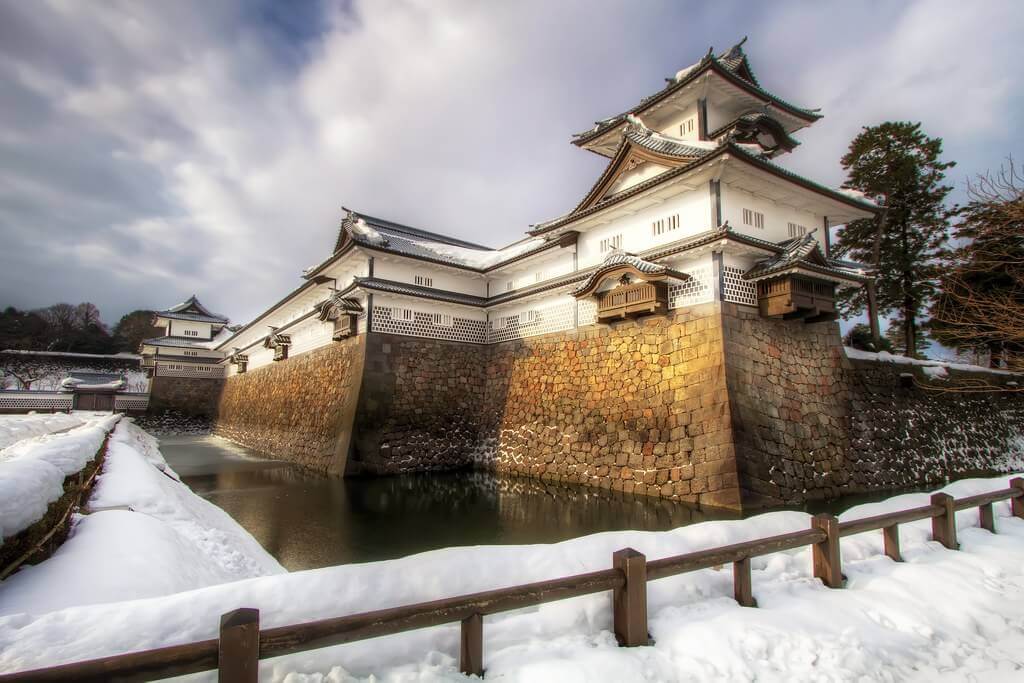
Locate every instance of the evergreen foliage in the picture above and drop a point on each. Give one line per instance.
(896, 165)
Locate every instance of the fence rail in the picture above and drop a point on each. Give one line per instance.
(241, 642)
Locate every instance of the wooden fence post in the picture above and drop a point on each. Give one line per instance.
(944, 526)
(239, 650)
(471, 658)
(827, 564)
(1017, 504)
(891, 538)
(987, 517)
(742, 588)
(629, 603)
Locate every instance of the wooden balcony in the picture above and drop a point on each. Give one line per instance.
(625, 301)
(793, 296)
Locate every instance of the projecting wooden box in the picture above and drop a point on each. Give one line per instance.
(640, 298)
(795, 296)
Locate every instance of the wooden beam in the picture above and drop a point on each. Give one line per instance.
(238, 659)
(471, 657)
(825, 555)
(1017, 504)
(629, 602)
(741, 583)
(944, 525)
(891, 540)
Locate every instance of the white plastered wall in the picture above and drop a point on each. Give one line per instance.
(777, 216)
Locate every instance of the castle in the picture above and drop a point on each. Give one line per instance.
(672, 335)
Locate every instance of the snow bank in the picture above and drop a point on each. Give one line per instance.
(939, 613)
(147, 535)
(14, 428)
(32, 471)
(933, 368)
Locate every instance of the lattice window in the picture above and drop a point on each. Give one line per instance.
(131, 402)
(424, 281)
(796, 230)
(586, 311)
(697, 290)
(34, 400)
(736, 289)
(412, 323)
(687, 126)
(609, 243)
(188, 370)
(191, 353)
(667, 224)
(753, 219)
(532, 322)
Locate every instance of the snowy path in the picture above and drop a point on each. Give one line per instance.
(941, 615)
(147, 535)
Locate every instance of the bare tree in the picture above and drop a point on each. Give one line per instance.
(981, 301)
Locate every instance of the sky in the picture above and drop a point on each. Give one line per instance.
(152, 150)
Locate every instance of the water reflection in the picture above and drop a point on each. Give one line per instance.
(306, 521)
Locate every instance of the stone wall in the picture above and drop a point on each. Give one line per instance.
(912, 427)
(188, 395)
(811, 424)
(788, 388)
(711, 405)
(421, 405)
(639, 406)
(300, 409)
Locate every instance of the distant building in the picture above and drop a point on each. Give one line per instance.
(186, 347)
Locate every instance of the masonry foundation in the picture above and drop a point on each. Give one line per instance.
(710, 404)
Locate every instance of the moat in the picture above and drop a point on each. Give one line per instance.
(307, 521)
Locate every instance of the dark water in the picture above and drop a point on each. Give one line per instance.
(306, 521)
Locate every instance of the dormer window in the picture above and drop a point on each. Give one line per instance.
(753, 219)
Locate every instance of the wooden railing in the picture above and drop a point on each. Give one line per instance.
(634, 299)
(241, 642)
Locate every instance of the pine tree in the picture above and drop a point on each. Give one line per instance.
(898, 167)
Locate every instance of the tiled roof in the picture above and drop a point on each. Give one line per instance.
(381, 235)
(728, 64)
(664, 144)
(180, 342)
(620, 258)
(191, 309)
(805, 253)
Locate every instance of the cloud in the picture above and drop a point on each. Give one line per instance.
(158, 149)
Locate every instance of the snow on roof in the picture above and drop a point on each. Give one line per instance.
(478, 258)
(855, 194)
(68, 354)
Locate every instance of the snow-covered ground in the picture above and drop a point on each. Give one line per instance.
(14, 428)
(146, 534)
(941, 615)
(33, 469)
